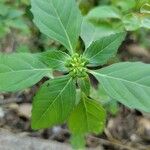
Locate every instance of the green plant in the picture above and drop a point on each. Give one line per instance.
(67, 98)
(11, 17)
(120, 15)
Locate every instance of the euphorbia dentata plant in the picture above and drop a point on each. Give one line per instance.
(66, 99)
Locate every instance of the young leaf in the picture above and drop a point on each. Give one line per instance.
(131, 22)
(55, 59)
(53, 102)
(104, 12)
(101, 50)
(84, 84)
(145, 22)
(19, 71)
(88, 116)
(58, 19)
(129, 83)
(91, 32)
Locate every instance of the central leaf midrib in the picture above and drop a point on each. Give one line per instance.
(103, 48)
(86, 114)
(71, 48)
(106, 76)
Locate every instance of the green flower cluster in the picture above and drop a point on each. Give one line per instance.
(77, 66)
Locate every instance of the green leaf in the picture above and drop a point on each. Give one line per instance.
(103, 49)
(58, 19)
(125, 5)
(145, 9)
(14, 13)
(17, 24)
(131, 22)
(145, 21)
(129, 83)
(84, 84)
(4, 9)
(55, 59)
(9, 12)
(53, 102)
(22, 48)
(19, 71)
(88, 116)
(91, 32)
(3, 30)
(104, 12)
(141, 3)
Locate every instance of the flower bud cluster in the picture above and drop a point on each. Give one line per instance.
(77, 66)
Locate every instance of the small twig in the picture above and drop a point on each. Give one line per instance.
(114, 143)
